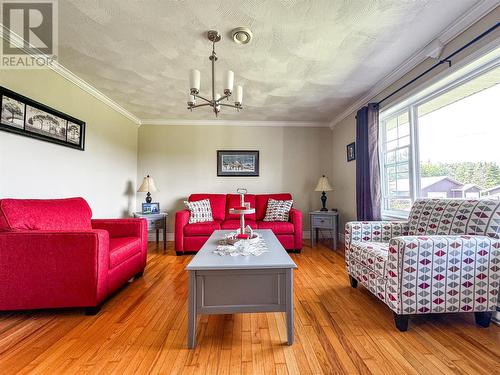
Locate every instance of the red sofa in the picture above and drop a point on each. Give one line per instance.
(53, 255)
(191, 237)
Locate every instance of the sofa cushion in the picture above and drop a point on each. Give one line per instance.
(278, 227)
(71, 214)
(372, 255)
(278, 210)
(199, 211)
(122, 248)
(217, 203)
(261, 203)
(201, 229)
(233, 200)
(235, 224)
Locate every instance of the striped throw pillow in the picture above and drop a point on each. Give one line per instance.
(199, 211)
(278, 210)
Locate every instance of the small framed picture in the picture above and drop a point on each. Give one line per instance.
(151, 208)
(351, 151)
(155, 208)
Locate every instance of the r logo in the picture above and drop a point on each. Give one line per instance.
(33, 22)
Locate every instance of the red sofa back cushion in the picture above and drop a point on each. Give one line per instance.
(217, 203)
(45, 214)
(233, 200)
(261, 203)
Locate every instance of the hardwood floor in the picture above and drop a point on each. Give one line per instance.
(143, 329)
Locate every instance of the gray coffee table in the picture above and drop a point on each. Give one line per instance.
(228, 285)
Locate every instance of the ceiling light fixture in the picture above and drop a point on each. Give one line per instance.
(241, 35)
(216, 101)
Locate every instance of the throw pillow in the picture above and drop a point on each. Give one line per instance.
(199, 211)
(278, 210)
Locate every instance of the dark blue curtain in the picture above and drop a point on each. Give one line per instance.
(368, 189)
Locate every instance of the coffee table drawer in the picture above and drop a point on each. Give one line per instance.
(322, 222)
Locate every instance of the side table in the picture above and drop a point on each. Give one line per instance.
(324, 220)
(156, 222)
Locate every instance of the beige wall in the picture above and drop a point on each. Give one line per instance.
(104, 174)
(182, 160)
(345, 131)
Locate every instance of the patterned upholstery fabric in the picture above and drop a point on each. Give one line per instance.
(278, 210)
(445, 259)
(199, 211)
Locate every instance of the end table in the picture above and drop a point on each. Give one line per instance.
(324, 220)
(156, 222)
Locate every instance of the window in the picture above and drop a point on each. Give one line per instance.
(444, 141)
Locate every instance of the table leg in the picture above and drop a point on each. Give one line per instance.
(157, 237)
(165, 240)
(335, 233)
(289, 305)
(312, 236)
(192, 310)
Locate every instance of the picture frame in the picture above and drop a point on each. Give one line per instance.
(237, 163)
(24, 116)
(151, 208)
(351, 151)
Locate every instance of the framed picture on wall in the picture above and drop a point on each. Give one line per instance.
(237, 163)
(351, 151)
(24, 116)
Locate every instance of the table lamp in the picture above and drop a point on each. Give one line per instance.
(323, 186)
(148, 186)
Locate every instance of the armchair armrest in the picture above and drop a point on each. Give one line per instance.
(126, 228)
(443, 273)
(296, 220)
(181, 220)
(53, 269)
(373, 231)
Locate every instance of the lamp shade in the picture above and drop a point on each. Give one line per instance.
(323, 184)
(194, 79)
(229, 80)
(148, 185)
(239, 94)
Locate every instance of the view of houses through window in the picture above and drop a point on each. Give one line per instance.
(446, 145)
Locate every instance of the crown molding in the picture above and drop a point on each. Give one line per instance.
(474, 14)
(56, 67)
(306, 124)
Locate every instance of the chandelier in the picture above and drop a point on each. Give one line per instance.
(217, 100)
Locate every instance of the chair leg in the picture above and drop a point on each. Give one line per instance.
(483, 318)
(353, 281)
(93, 310)
(401, 322)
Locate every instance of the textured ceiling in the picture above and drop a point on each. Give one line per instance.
(308, 59)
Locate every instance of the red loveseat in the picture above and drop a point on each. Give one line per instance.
(53, 255)
(191, 237)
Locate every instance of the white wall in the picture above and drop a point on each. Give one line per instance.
(104, 174)
(182, 160)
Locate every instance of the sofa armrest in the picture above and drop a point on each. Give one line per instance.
(41, 269)
(373, 231)
(181, 220)
(461, 271)
(136, 227)
(296, 220)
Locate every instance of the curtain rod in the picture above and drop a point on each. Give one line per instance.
(442, 61)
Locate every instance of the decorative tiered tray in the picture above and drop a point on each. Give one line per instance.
(242, 210)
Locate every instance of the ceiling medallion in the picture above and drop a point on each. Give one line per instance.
(216, 102)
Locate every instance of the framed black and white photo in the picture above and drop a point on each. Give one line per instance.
(237, 163)
(27, 117)
(351, 151)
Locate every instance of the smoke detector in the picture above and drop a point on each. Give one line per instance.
(241, 35)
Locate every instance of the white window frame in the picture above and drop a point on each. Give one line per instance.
(411, 105)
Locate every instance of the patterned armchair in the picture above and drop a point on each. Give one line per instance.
(445, 258)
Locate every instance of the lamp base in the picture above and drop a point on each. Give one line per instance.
(323, 201)
(148, 197)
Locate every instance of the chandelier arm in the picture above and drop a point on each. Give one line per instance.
(231, 105)
(213, 70)
(200, 105)
(205, 99)
(222, 98)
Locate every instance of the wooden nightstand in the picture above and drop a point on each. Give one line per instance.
(324, 220)
(156, 222)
